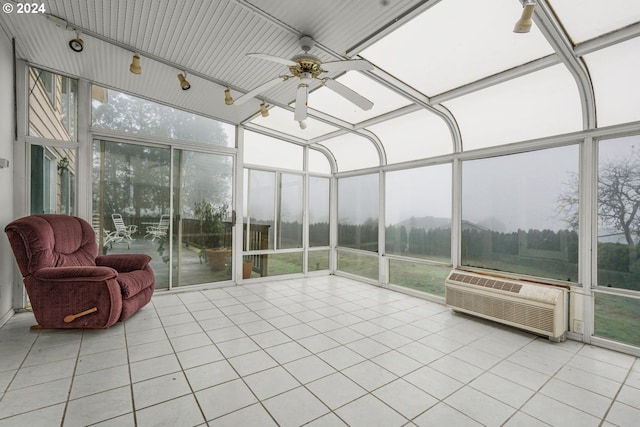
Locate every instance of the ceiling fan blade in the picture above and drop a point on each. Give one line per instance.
(349, 94)
(347, 65)
(253, 92)
(277, 59)
(301, 102)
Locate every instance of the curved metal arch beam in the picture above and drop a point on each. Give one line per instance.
(333, 163)
(372, 137)
(419, 98)
(378, 75)
(553, 31)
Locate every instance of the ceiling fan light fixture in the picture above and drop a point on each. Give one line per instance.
(523, 25)
(264, 112)
(135, 67)
(307, 68)
(228, 99)
(77, 44)
(184, 84)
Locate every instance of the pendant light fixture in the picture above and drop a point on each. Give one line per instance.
(228, 99)
(523, 25)
(135, 67)
(184, 84)
(77, 44)
(264, 112)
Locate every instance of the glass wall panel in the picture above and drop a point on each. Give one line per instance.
(318, 211)
(202, 231)
(414, 136)
(53, 105)
(284, 263)
(614, 72)
(53, 180)
(121, 112)
(343, 148)
(318, 162)
(272, 195)
(619, 213)
(268, 151)
(290, 208)
(479, 44)
(518, 213)
(133, 181)
(418, 276)
(358, 212)
(586, 19)
(261, 209)
(418, 213)
(540, 104)
(360, 264)
(318, 260)
(616, 318)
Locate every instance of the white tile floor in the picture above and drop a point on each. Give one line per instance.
(323, 351)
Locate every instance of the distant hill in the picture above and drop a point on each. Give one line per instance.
(426, 222)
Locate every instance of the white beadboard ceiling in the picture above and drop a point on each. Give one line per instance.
(208, 39)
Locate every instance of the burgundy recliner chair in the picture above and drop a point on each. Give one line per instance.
(68, 284)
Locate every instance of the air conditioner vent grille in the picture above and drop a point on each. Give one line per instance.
(512, 311)
(486, 282)
(534, 307)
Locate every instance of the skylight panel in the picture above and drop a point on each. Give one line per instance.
(384, 99)
(586, 19)
(457, 42)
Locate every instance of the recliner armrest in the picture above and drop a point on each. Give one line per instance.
(124, 262)
(75, 274)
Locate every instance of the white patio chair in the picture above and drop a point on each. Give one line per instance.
(123, 233)
(159, 231)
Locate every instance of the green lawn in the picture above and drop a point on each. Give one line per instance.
(617, 318)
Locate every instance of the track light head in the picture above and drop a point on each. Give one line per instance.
(228, 99)
(523, 25)
(303, 125)
(264, 112)
(76, 45)
(184, 84)
(135, 67)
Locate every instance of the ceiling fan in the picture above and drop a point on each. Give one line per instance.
(306, 68)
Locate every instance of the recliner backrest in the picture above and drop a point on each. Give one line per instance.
(51, 240)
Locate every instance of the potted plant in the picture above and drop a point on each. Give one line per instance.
(212, 230)
(247, 267)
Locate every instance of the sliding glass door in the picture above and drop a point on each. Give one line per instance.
(183, 221)
(202, 234)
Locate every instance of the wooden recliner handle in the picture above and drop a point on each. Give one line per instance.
(71, 317)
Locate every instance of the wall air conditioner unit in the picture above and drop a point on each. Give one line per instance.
(541, 309)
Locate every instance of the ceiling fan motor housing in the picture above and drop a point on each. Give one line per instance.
(306, 64)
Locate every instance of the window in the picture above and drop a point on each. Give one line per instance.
(290, 206)
(52, 180)
(52, 105)
(264, 150)
(318, 211)
(418, 225)
(358, 212)
(418, 213)
(618, 213)
(517, 213)
(126, 113)
(273, 221)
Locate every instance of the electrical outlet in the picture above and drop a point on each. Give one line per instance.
(577, 326)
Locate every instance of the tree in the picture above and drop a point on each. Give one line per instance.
(618, 197)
